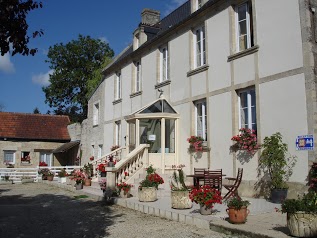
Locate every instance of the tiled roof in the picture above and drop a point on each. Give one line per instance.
(34, 126)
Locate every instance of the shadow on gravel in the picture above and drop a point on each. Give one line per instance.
(283, 229)
(48, 215)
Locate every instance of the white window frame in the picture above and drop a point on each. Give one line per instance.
(118, 86)
(200, 39)
(203, 105)
(138, 76)
(248, 22)
(117, 132)
(249, 107)
(47, 158)
(92, 150)
(99, 151)
(199, 4)
(164, 64)
(96, 113)
(5, 152)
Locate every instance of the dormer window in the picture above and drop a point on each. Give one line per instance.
(199, 3)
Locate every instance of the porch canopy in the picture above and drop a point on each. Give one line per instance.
(65, 147)
(155, 124)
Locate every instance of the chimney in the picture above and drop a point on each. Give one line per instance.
(150, 17)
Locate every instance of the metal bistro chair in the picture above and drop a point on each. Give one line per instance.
(234, 184)
(198, 172)
(213, 178)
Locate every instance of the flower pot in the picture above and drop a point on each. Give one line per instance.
(237, 216)
(78, 186)
(87, 182)
(181, 200)
(124, 194)
(302, 224)
(50, 177)
(62, 179)
(44, 177)
(205, 210)
(147, 194)
(103, 174)
(278, 195)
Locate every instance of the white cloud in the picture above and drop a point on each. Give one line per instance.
(173, 5)
(6, 65)
(104, 39)
(42, 79)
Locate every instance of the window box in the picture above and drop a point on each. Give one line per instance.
(241, 54)
(198, 70)
(132, 95)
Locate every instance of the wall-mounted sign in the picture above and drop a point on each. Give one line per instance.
(151, 137)
(305, 142)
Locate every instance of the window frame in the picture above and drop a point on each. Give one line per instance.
(50, 162)
(13, 156)
(249, 108)
(248, 26)
(96, 113)
(164, 70)
(202, 44)
(100, 147)
(199, 4)
(203, 103)
(137, 85)
(118, 83)
(117, 132)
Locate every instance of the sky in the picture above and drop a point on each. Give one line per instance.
(22, 77)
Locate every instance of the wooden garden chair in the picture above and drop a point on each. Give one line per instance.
(198, 172)
(233, 185)
(213, 178)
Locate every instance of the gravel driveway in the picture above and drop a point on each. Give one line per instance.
(39, 210)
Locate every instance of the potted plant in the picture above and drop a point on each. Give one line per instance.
(62, 176)
(301, 215)
(277, 164)
(196, 142)
(103, 184)
(179, 191)
(237, 210)
(46, 174)
(78, 177)
(88, 171)
(124, 189)
(148, 187)
(102, 170)
(43, 164)
(110, 162)
(206, 197)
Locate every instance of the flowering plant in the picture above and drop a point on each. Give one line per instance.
(152, 179)
(245, 140)
(196, 142)
(26, 158)
(42, 163)
(236, 203)
(91, 158)
(103, 184)
(101, 168)
(206, 196)
(114, 147)
(45, 172)
(78, 176)
(124, 186)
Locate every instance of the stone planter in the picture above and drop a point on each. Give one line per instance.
(79, 186)
(204, 210)
(302, 224)
(181, 200)
(237, 216)
(147, 194)
(124, 194)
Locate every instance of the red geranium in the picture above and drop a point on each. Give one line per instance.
(124, 186)
(42, 163)
(196, 142)
(101, 168)
(246, 140)
(205, 195)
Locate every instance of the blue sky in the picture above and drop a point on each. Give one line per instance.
(22, 77)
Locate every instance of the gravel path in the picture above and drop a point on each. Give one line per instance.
(39, 210)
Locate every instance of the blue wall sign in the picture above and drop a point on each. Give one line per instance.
(305, 142)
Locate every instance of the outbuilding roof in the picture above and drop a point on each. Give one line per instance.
(37, 127)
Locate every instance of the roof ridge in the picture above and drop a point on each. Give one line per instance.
(32, 114)
(172, 12)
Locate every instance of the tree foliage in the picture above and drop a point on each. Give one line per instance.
(14, 28)
(36, 111)
(74, 68)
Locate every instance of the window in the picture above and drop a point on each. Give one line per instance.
(198, 4)
(138, 76)
(200, 47)
(247, 109)
(46, 157)
(164, 65)
(92, 150)
(25, 157)
(118, 131)
(244, 31)
(117, 94)
(99, 151)
(201, 118)
(9, 157)
(96, 114)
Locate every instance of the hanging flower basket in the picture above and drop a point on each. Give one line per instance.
(246, 140)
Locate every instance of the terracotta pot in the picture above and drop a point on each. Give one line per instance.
(301, 224)
(237, 216)
(87, 182)
(124, 194)
(205, 210)
(147, 194)
(44, 177)
(181, 200)
(50, 177)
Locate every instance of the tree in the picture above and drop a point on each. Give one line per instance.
(13, 27)
(74, 67)
(36, 111)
